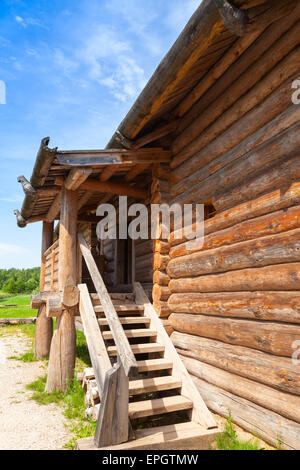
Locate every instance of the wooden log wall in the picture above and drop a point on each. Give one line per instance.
(235, 300)
(160, 194)
(51, 268)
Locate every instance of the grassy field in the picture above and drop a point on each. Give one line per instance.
(22, 310)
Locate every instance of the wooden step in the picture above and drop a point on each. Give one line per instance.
(121, 308)
(136, 387)
(151, 365)
(137, 333)
(139, 349)
(183, 436)
(128, 321)
(158, 406)
(116, 296)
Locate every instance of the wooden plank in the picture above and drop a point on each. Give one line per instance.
(128, 321)
(97, 350)
(138, 349)
(182, 436)
(151, 365)
(94, 158)
(158, 406)
(124, 350)
(54, 210)
(120, 189)
(137, 387)
(200, 413)
(112, 425)
(136, 333)
(76, 177)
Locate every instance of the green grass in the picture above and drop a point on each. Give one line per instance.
(22, 310)
(228, 440)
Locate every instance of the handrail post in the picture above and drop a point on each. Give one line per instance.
(113, 427)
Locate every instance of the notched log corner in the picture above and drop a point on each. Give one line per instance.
(235, 20)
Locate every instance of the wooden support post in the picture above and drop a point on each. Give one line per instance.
(112, 426)
(62, 355)
(44, 325)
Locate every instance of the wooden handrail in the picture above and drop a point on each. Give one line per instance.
(125, 353)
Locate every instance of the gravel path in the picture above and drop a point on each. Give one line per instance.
(24, 424)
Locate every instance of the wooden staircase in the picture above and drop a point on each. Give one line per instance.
(158, 394)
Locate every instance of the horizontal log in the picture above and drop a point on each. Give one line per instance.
(160, 262)
(282, 277)
(114, 188)
(269, 337)
(273, 176)
(76, 177)
(161, 278)
(273, 249)
(16, 321)
(270, 426)
(274, 223)
(169, 329)
(266, 154)
(160, 293)
(274, 371)
(215, 157)
(54, 307)
(280, 198)
(272, 306)
(248, 91)
(284, 404)
(162, 309)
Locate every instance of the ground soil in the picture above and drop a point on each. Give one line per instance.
(24, 424)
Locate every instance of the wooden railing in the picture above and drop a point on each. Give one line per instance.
(113, 425)
(49, 270)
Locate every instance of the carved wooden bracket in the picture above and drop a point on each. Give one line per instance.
(20, 220)
(26, 185)
(235, 20)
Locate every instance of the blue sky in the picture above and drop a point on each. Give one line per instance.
(72, 70)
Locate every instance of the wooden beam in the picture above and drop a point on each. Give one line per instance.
(54, 209)
(112, 426)
(76, 177)
(84, 199)
(63, 346)
(97, 349)
(114, 188)
(158, 133)
(241, 22)
(88, 158)
(200, 413)
(108, 173)
(136, 170)
(124, 350)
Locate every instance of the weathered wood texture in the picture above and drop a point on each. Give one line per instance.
(44, 325)
(284, 277)
(269, 250)
(265, 336)
(271, 306)
(63, 346)
(274, 371)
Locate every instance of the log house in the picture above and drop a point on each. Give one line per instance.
(216, 125)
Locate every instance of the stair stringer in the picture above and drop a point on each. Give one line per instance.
(200, 414)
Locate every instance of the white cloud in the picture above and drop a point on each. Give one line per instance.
(180, 14)
(14, 198)
(8, 249)
(110, 62)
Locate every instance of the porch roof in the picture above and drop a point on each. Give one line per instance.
(151, 122)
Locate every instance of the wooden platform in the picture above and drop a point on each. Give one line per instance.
(183, 436)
